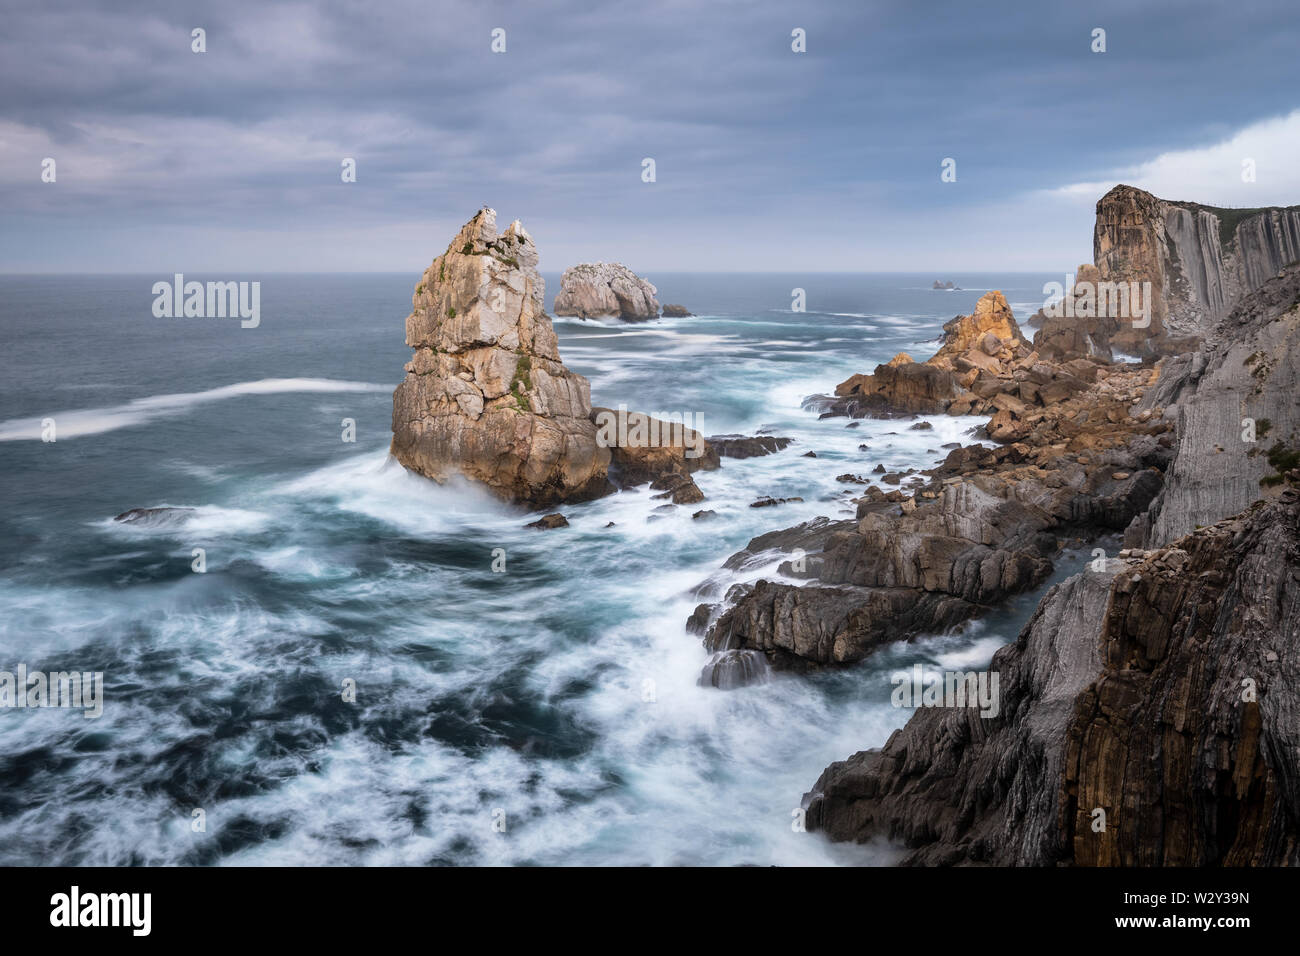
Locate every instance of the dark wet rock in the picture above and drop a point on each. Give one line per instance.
(930, 787)
(809, 537)
(549, 521)
(703, 515)
(767, 502)
(675, 312)
(744, 446)
(154, 517)
(799, 625)
(732, 669)
(698, 622)
(681, 488)
(1114, 667)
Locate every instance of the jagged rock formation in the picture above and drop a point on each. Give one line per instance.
(1162, 695)
(606, 290)
(676, 312)
(984, 525)
(986, 345)
(931, 786)
(485, 394)
(1200, 261)
(1152, 721)
(1189, 738)
(988, 332)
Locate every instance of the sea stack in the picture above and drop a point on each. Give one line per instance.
(606, 290)
(486, 395)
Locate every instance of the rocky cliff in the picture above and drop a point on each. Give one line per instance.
(1149, 714)
(1200, 261)
(1148, 717)
(485, 394)
(1234, 405)
(985, 345)
(606, 290)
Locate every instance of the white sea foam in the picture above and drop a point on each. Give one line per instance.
(77, 423)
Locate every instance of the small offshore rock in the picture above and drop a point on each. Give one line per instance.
(549, 521)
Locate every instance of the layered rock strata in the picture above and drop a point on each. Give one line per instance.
(1200, 261)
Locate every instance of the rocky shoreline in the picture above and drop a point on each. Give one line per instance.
(1149, 712)
(1154, 692)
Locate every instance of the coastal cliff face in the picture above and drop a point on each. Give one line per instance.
(1148, 713)
(606, 290)
(1177, 718)
(485, 394)
(956, 787)
(1237, 420)
(1200, 260)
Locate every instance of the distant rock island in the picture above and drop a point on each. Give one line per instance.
(599, 290)
(676, 312)
(946, 286)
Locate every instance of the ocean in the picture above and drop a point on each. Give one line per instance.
(546, 713)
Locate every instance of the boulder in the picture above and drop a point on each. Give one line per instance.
(899, 389)
(547, 522)
(969, 333)
(744, 446)
(645, 449)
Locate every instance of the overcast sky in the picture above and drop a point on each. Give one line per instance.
(766, 159)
